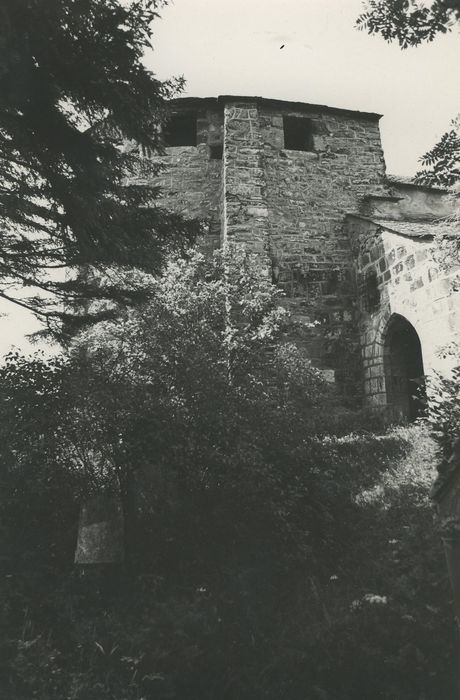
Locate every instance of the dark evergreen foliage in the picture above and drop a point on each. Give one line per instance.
(66, 68)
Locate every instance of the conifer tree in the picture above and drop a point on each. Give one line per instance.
(73, 91)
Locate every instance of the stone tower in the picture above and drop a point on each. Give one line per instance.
(304, 186)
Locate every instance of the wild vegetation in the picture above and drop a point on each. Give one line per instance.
(276, 546)
(73, 91)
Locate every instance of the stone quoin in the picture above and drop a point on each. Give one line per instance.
(304, 186)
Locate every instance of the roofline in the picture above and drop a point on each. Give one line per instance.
(221, 100)
(376, 222)
(400, 182)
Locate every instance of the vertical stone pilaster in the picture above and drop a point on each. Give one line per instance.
(244, 205)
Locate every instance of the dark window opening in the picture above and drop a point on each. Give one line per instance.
(332, 282)
(371, 291)
(404, 373)
(216, 151)
(275, 271)
(298, 134)
(180, 130)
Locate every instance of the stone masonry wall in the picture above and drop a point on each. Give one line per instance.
(245, 211)
(191, 181)
(411, 285)
(289, 206)
(308, 195)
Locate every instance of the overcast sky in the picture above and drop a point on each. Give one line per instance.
(233, 47)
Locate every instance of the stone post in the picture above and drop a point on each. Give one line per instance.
(245, 210)
(100, 531)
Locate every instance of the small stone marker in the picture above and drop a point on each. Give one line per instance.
(100, 531)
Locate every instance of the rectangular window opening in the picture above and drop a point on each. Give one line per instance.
(298, 134)
(180, 130)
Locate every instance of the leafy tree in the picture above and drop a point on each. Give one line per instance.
(73, 90)
(38, 488)
(441, 164)
(189, 406)
(272, 558)
(194, 385)
(410, 22)
(251, 581)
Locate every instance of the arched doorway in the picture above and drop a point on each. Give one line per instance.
(403, 363)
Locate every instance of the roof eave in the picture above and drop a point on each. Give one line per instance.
(399, 182)
(221, 100)
(379, 224)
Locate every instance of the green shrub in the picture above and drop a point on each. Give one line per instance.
(270, 555)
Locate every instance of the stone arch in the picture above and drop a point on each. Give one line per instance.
(403, 369)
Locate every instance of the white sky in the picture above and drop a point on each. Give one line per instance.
(225, 47)
(233, 47)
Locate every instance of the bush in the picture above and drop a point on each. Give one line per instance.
(267, 559)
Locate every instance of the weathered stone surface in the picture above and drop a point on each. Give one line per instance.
(291, 208)
(424, 296)
(100, 531)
